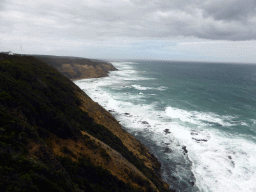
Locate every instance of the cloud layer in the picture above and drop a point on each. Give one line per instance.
(210, 19)
(177, 29)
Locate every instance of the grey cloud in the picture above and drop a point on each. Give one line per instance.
(230, 10)
(211, 19)
(2, 4)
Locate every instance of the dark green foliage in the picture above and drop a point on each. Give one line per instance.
(91, 144)
(93, 178)
(68, 152)
(14, 132)
(104, 154)
(22, 174)
(43, 95)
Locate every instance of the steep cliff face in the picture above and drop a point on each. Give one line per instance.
(54, 137)
(78, 68)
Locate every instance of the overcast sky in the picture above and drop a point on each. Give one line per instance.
(197, 30)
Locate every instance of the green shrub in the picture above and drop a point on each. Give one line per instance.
(104, 154)
(91, 144)
(66, 151)
(93, 178)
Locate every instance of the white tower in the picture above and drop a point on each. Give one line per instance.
(20, 50)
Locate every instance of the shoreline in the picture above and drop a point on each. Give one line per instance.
(157, 165)
(158, 170)
(164, 170)
(196, 126)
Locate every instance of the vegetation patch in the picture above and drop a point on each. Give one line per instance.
(104, 154)
(19, 173)
(93, 178)
(67, 151)
(90, 143)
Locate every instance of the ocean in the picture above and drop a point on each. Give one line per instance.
(198, 119)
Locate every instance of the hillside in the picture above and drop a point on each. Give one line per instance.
(78, 68)
(54, 137)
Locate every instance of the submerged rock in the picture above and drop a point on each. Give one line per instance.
(199, 140)
(167, 131)
(167, 150)
(185, 150)
(128, 114)
(232, 162)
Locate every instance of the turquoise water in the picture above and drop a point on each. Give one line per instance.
(199, 119)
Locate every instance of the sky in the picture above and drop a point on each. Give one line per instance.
(197, 30)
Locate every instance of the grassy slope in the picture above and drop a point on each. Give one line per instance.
(36, 102)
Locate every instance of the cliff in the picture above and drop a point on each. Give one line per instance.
(54, 137)
(78, 68)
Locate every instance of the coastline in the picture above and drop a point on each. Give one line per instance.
(130, 141)
(64, 130)
(78, 69)
(105, 118)
(140, 131)
(174, 150)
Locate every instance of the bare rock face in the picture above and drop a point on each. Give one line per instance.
(78, 68)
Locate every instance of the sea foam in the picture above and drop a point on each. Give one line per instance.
(184, 140)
